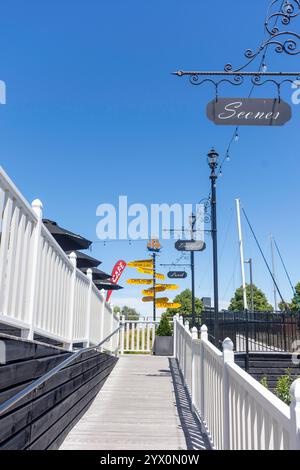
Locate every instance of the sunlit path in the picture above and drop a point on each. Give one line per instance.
(138, 409)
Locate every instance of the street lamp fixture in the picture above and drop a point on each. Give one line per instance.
(212, 159)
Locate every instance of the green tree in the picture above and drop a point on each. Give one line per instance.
(164, 327)
(185, 299)
(294, 305)
(259, 300)
(128, 312)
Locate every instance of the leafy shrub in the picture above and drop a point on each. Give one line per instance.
(283, 386)
(164, 328)
(264, 382)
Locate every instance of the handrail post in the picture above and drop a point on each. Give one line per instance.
(88, 307)
(37, 207)
(228, 357)
(122, 334)
(203, 337)
(193, 371)
(295, 415)
(73, 259)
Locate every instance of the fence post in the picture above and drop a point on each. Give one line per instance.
(193, 371)
(69, 343)
(295, 415)
(203, 337)
(111, 325)
(89, 307)
(175, 320)
(122, 335)
(187, 326)
(37, 207)
(228, 357)
(102, 313)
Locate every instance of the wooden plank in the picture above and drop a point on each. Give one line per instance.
(147, 417)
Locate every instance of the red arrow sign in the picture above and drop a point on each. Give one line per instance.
(115, 275)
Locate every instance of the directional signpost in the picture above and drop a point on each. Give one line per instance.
(148, 266)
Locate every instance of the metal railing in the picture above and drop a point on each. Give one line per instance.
(36, 384)
(255, 331)
(239, 413)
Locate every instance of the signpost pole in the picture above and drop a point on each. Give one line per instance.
(154, 286)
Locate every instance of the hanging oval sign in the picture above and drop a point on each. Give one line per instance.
(177, 274)
(249, 112)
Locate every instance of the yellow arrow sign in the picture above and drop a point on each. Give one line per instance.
(168, 305)
(151, 291)
(147, 282)
(168, 286)
(151, 299)
(151, 272)
(144, 263)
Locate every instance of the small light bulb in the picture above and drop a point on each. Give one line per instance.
(264, 68)
(236, 137)
(220, 173)
(227, 157)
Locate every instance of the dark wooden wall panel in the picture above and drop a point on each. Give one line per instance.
(43, 419)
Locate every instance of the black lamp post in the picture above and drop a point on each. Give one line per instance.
(213, 165)
(192, 223)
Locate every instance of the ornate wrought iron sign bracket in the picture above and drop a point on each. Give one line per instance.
(279, 17)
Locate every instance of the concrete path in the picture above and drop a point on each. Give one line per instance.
(143, 405)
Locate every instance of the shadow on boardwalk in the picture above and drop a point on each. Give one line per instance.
(195, 435)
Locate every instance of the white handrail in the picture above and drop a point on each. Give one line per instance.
(238, 412)
(41, 290)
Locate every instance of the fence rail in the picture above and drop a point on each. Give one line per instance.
(238, 412)
(137, 336)
(41, 290)
(255, 331)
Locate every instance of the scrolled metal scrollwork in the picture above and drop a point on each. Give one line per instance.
(206, 215)
(287, 42)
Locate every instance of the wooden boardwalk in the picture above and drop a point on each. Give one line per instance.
(143, 405)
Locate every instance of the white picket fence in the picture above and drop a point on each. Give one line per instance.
(41, 290)
(137, 336)
(238, 412)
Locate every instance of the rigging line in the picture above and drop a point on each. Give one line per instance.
(284, 267)
(264, 258)
(231, 279)
(226, 235)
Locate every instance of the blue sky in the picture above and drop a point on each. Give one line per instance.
(93, 113)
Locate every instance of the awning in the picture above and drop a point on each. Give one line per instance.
(85, 261)
(97, 274)
(107, 285)
(68, 241)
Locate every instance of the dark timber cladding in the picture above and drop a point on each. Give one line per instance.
(42, 421)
